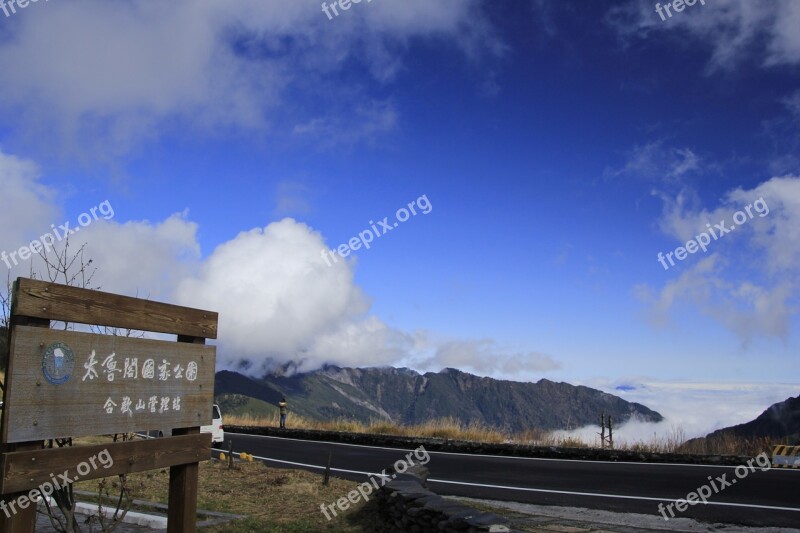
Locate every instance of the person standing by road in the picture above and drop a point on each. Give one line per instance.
(282, 405)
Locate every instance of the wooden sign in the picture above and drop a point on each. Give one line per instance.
(51, 301)
(25, 470)
(69, 384)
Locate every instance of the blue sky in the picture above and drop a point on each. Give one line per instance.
(560, 147)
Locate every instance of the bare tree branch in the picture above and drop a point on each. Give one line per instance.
(74, 269)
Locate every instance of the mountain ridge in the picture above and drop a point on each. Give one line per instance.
(404, 396)
(779, 420)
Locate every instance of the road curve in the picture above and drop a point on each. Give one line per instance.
(759, 498)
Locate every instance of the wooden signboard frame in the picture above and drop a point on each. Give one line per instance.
(45, 364)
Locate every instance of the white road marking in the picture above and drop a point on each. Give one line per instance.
(619, 496)
(505, 456)
(316, 466)
(549, 491)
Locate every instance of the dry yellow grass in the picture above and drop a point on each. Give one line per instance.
(540, 437)
(270, 499)
(451, 428)
(446, 428)
(732, 445)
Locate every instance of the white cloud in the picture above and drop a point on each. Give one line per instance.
(108, 75)
(746, 309)
(279, 302)
(485, 357)
(693, 408)
(656, 162)
(139, 257)
(132, 258)
(359, 343)
(792, 103)
(363, 124)
(292, 198)
(734, 30)
(749, 279)
(27, 204)
(778, 235)
(783, 133)
(774, 228)
(784, 47)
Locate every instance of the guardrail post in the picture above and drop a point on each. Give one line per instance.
(327, 477)
(603, 431)
(610, 434)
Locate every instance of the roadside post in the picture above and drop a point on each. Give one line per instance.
(786, 456)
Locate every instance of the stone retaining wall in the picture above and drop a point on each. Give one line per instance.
(513, 450)
(405, 504)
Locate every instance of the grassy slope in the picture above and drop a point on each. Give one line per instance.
(273, 500)
(238, 405)
(312, 397)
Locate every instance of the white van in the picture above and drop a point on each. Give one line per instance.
(217, 433)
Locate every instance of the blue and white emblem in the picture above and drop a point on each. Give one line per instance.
(58, 363)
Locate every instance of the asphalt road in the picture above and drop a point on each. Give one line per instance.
(759, 498)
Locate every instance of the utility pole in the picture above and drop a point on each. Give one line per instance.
(603, 426)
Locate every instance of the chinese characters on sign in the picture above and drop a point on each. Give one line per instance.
(150, 370)
(155, 404)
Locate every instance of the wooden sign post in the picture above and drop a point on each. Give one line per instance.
(68, 384)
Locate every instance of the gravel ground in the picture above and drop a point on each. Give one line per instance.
(528, 517)
(43, 525)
